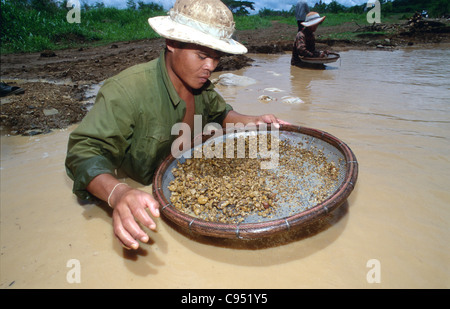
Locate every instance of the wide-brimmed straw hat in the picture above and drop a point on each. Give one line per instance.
(312, 19)
(204, 22)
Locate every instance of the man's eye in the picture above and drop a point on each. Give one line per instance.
(202, 57)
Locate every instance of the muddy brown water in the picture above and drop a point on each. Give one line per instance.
(391, 108)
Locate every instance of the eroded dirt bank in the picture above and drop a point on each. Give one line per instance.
(56, 82)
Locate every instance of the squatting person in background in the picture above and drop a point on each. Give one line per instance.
(305, 41)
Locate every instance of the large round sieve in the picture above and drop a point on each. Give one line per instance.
(300, 208)
(331, 57)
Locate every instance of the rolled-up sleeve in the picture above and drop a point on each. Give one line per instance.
(300, 45)
(97, 146)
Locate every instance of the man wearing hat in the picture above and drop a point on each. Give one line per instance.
(305, 41)
(129, 127)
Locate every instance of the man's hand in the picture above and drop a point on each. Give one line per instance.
(235, 117)
(324, 53)
(269, 118)
(130, 204)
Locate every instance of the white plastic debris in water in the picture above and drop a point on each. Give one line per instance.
(273, 90)
(274, 73)
(230, 79)
(292, 100)
(266, 98)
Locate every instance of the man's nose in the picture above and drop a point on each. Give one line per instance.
(211, 64)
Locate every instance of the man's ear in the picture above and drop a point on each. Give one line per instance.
(170, 45)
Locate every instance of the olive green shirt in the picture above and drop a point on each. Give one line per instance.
(129, 127)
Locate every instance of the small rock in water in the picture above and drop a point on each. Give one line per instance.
(266, 98)
(50, 111)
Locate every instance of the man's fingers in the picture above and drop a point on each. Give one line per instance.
(269, 118)
(131, 209)
(153, 205)
(127, 226)
(122, 234)
(283, 122)
(140, 213)
(145, 219)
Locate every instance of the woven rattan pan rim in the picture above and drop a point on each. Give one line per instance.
(267, 228)
(316, 60)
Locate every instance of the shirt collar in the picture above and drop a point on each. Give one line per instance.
(174, 97)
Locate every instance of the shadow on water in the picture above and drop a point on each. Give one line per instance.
(271, 250)
(142, 262)
(277, 249)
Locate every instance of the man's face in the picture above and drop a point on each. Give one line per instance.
(314, 27)
(193, 64)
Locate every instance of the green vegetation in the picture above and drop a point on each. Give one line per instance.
(29, 26)
(333, 19)
(435, 8)
(36, 25)
(251, 22)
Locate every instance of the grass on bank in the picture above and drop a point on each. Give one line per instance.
(337, 19)
(29, 30)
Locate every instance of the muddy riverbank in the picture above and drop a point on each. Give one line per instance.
(57, 83)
